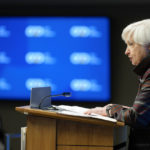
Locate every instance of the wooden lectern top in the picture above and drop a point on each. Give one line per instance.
(51, 114)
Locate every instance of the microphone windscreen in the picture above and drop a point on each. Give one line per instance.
(66, 94)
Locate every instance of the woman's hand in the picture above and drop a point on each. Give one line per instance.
(97, 110)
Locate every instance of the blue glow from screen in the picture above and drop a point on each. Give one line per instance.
(70, 54)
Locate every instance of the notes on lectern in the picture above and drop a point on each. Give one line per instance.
(79, 111)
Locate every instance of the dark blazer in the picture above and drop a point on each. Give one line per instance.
(139, 114)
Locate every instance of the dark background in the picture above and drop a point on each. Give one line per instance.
(124, 82)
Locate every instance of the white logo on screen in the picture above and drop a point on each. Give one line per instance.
(84, 58)
(84, 31)
(4, 32)
(39, 31)
(4, 59)
(85, 85)
(39, 58)
(4, 85)
(39, 82)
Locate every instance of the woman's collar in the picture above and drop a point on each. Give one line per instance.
(142, 66)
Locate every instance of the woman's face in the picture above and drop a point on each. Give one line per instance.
(135, 52)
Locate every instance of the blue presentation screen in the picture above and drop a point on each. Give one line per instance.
(70, 54)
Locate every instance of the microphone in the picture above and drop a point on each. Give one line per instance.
(65, 94)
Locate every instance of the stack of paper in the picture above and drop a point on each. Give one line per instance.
(79, 111)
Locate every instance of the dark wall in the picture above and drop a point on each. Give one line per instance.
(73, 2)
(124, 81)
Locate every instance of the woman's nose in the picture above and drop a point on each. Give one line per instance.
(127, 51)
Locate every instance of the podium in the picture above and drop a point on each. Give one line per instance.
(48, 130)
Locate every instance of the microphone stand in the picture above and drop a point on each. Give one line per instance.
(66, 94)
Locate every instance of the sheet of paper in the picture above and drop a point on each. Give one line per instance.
(72, 113)
(79, 111)
(76, 109)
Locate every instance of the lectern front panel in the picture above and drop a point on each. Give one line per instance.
(83, 148)
(77, 133)
(41, 133)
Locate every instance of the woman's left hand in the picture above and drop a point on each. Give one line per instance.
(97, 110)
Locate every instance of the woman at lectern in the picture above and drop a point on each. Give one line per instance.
(137, 39)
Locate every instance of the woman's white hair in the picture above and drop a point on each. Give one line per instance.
(140, 32)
